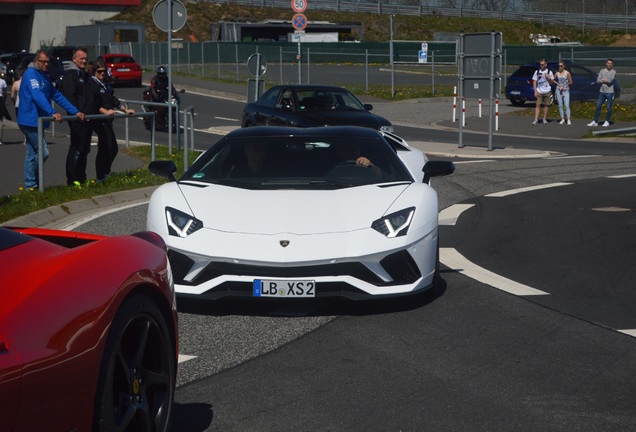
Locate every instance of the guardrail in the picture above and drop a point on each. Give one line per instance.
(41, 121)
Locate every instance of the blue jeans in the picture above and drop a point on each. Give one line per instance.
(602, 97)
(563, 98)
(31, 174)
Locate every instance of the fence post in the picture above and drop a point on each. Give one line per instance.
(308, 67)
(366, 70)
(433, 72)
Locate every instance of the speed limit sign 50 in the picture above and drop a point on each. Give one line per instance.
(299, 5)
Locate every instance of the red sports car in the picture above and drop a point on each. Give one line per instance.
(123, 68)
(88, 332)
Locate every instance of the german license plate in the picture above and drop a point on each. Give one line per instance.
(284, 288)
(515, 92)
(123, 70)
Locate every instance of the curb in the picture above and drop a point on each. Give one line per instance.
(80, 208)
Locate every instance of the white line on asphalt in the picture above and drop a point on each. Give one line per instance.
(526, 189)
(475, 161)
(184, 358)
(631, 332)
(449, 215)
(622, 176)
(456, 261)
(97, 214)
(573, 157)
(226, 118)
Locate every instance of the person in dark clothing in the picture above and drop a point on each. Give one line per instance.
(74, 86)
(159, 93)
(106, 103)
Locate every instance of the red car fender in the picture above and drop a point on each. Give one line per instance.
(71, 334)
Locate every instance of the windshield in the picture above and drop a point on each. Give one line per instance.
(327, 100)
(299, 163)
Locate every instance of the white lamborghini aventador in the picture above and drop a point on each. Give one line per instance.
(297, 213)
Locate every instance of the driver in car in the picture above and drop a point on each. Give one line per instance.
(350, 151)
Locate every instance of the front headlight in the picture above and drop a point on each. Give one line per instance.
(388, 128)
(181, 224)
(396, 224)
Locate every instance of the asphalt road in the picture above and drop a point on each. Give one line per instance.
(479, 357)
(476, 358)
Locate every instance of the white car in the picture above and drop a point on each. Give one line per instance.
(296, 213)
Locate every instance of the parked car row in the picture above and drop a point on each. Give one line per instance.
(124, 69)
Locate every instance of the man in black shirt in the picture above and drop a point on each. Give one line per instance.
(74, 87)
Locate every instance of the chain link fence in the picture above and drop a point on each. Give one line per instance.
(367, 64)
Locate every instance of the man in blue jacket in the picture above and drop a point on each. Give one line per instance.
(36, 93)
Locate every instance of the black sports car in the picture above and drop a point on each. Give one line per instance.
(305, 105)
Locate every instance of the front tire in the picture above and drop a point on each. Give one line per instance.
(137, 374)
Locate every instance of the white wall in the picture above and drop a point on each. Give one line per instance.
(50, 21)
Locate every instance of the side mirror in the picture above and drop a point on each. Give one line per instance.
(368, 107)
(437, 169)
(163, 168)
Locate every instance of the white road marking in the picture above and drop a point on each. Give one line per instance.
(622, 176)
(226, 118)
(631, 332)
(475, 161)
(457, 262)
(184, 358)
(573, 157)
(96, 214)
(449, 215)
(526, 189)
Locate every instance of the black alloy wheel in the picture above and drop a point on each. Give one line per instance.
(137, 375)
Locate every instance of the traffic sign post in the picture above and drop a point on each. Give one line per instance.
(479, 62)
(299, 22)
(299, 5)
(170, 16)
(257, 66)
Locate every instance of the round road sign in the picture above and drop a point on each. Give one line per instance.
(257, 64)
(160, 15)
(299, 5)
(299, 21)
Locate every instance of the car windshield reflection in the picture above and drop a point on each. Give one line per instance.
(298, 163)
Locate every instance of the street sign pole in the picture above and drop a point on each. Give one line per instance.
(164, 20)
(299, 22)
(170, 76)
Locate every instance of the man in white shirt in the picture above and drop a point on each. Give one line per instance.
(541, 81)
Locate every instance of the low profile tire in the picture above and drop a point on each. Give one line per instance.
(137, 374)
(436, 290)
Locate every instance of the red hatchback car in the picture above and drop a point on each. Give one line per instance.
(123, 68)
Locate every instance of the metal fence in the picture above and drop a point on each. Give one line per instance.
(606, 15)
(358, 63)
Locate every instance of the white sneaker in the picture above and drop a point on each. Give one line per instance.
(534, 123)
(569, 122)
(544, 121)
(606, 124)
(562, 121)
(592, 123)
